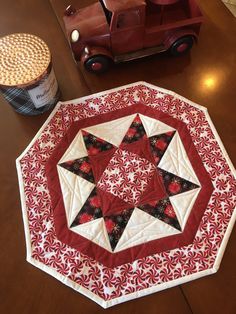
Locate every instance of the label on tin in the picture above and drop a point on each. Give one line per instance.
(45, 92)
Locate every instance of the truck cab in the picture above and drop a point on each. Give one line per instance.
(116, 31)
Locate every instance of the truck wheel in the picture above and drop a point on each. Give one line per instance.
(98, 64)
(182, 45)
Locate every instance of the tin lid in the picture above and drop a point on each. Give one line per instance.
(23, 59)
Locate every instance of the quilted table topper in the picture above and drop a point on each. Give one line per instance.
(127, 192)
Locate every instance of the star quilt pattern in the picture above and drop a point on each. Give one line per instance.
(127, 192)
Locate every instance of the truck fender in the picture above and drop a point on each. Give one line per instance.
(171, 38)
(93, 51)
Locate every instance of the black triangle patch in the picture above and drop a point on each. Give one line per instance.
(94, 144)
(159, 144)
(115, 225)
(91, 210)
(135, 132)
(175, 185)
(162, 210)
(81, 167)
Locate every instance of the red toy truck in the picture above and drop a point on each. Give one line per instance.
(115, 31)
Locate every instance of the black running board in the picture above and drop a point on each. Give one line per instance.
(139, 54)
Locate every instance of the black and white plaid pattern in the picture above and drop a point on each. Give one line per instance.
(22, 103)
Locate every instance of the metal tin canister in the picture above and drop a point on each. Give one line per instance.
(27, 79)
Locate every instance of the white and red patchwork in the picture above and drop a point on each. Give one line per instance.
(127, 176)
(137, 198)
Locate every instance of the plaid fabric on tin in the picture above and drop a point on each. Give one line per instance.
(22, 103)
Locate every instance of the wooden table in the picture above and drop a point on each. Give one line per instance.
(206, 76)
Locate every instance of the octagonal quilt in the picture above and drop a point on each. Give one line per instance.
(127, 192)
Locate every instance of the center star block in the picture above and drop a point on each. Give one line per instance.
(127, 176)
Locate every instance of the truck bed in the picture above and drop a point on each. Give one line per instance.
(163, 15)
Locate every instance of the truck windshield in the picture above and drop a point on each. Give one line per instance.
(108, 13)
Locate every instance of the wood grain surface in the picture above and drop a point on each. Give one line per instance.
(207, 76)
